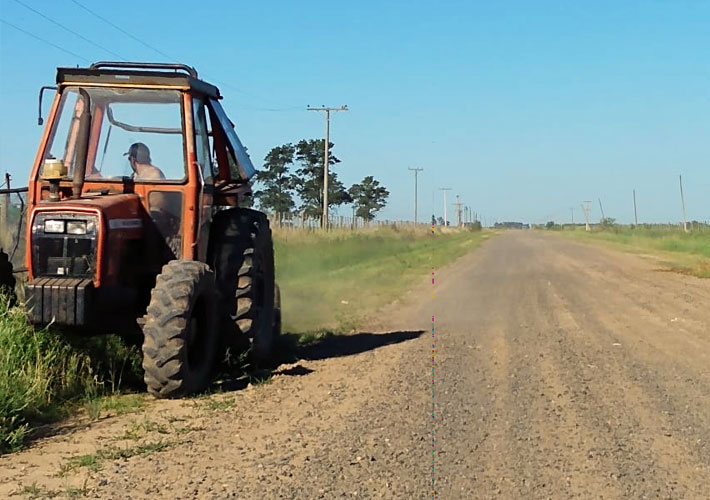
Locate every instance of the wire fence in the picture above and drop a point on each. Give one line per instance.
(13, 221)
(301, 221)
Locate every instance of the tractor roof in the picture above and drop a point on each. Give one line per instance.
(143, 75)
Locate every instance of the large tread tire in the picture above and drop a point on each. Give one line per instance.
(180, 334)
(244, 263)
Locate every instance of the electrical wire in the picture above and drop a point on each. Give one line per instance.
(56, 23)
(98, 16)
(170, 58)
(59, 47)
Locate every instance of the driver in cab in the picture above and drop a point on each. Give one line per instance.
(139, 158)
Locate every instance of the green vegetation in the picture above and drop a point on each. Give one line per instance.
(45, 374)
(331, 280)
(93, 461)
(680, 251)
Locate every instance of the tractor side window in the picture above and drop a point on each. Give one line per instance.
(66, 129)
(165, 208)
(239, 161)
(202, 140)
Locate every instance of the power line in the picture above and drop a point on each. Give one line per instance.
(170, 58)
(68, 29)
(74, 54)
(146, 44)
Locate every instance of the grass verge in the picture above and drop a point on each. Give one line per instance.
(688, 253)
(332, 280)
(44, 375)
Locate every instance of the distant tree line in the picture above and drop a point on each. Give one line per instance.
(291, 180)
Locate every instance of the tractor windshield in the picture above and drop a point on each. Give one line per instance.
(136, 133)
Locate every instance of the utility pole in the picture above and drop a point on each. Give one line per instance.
(327, 111)
(458, 211)
(572, 209)
(682, 201)
(601, 208)
(445, 190)
(416, 190)
(586, 209)
(636, 217)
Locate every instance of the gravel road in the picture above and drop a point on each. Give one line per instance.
(562, 371)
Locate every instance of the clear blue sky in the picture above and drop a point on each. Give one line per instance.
(524, 108)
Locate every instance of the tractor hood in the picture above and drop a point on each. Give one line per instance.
(116, 211)
(68, 238)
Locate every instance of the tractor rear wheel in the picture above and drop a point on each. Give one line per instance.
(180, 334)
(244, 264)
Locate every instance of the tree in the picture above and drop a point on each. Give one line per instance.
(440, 220)
(309, 182)
(277, 195)
(368, 197)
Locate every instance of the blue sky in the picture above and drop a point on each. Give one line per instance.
(524, 108)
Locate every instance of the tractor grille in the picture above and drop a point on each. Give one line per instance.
(60, 254)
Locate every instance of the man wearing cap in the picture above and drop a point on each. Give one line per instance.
(139, 158)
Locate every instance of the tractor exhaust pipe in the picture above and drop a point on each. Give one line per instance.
(82, 147)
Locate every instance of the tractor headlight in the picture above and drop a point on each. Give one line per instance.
(76, 227)
(54, 226)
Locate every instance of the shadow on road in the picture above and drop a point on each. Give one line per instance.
(293, 348)
(334, 346)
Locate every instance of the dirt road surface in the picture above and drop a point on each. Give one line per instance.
(562, 371)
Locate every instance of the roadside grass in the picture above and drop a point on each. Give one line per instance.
(94, 461)
(331, 281)
(687, 253)
(46, 375)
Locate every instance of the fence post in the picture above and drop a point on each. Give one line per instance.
(5, 236)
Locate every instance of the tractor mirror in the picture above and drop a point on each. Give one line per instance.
(40, 120)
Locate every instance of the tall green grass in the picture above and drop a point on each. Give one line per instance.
(41, 371)
(334, 279)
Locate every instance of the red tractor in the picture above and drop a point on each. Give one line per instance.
(135, 225)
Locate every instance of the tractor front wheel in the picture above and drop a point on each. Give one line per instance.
(180, 332)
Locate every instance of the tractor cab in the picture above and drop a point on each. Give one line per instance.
(134, 163)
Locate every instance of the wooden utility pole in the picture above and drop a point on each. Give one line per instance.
(458, 211)
(416, 190)
(445, 190)
(636, 217)
(586, 209)
(327, 110)
(682, 201)
(602, 209)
